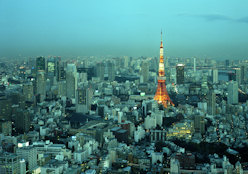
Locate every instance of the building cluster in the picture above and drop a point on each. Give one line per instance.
(92, 115)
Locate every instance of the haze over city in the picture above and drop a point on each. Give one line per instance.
(204, 29)
(123, 87)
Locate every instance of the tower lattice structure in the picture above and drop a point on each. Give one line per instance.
(161, 95)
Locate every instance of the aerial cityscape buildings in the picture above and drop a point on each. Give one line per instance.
(88, 87)
(123, 115)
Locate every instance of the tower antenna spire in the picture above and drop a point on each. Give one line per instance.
(161, 35)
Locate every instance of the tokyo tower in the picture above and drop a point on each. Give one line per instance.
(161, 95)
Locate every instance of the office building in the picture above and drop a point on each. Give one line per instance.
(199, 124)
(9, 163)
(40, 64)
(51, 70)
(232, 97)
(211, 105)
(29, 154)
(22, 120)
(71, 81)
(244, 72)
(83, 99)
(41, 85)
(100, 70)
(180, 73)
(28, 91)
(238, 76)
(5, 127)
(5, 108)
(194, 64)
(215, 78)
(144, 72)
(111, 71)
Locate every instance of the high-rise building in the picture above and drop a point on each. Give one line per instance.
(180, 73)
(40, 63)
(5, 127)
(144, 72)
(29, 154)
(244, 72)
(238, 75)
(232, 97)
(83, 99)
(61, 74)
(71, 81)
(9, 163)
(51, 69)
(161, 95)
(194, 64)
(211, 105)
(62, 88)
(22, 120)
(5, 108)
(41, 85)
(126, 61)
(215, 78)
(111, 71)
(227, 63)
(100, 70)
(28, 91)
(199, 124)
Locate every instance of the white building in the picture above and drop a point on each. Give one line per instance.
(139, 134)
(157, 157)
(174, 166)
(150, 122)
(29, 154)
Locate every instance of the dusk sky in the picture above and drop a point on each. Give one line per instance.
(200, 28)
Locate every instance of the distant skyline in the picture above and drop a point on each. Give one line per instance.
(192, 28)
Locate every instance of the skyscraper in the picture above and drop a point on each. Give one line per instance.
(199, 124)
(22, 120)
(215, 78)
(83, 99)
(40, 63)
(51, 69)
(211, 105)
(232, 97)
(28, 91)
(71, 81)
(5, 108)
(100, 70)
(161, 95)
(238, 76)
(194, 64)
(145, 72)
(111, 71)
(180, 73)
(243, 69)
(41, 85)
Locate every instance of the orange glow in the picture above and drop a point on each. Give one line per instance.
(161, 95)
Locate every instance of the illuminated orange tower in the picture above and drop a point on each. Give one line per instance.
(161, 94)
